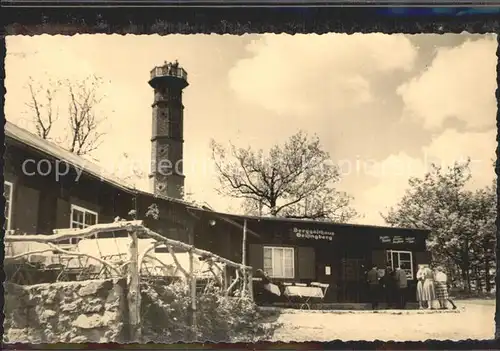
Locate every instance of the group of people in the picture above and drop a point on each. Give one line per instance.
(432, 286)
(390, 287)
(172, 67)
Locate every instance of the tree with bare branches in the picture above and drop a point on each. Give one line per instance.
(294, 180)
(82, 97)
(42, 107)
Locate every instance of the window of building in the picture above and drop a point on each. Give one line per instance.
(401, 259)
(81, 218)
(279, 262)
(7, 193)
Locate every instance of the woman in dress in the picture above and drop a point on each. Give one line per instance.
(442, 288)
(428, 289)
(420, 287)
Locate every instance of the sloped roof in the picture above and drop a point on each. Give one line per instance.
(29, 139)
(51, 149)
(35, 142)
(238, 217)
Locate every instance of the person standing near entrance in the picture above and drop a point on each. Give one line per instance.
(440, 279)
(401, 286)
(373, 285)
(420, 287)
(428, 290)
(389, 286)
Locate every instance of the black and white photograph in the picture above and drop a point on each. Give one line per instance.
(246, 188)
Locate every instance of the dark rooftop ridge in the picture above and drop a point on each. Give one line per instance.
(53, 150)
(308, 221)
(90, 168)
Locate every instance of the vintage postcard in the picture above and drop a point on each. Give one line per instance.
(249, 188)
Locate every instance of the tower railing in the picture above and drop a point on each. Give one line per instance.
(172, 71)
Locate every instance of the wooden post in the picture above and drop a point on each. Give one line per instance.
(192, 282)
(134, 290)
(243, 256)
(192, 290)
(226, 282)
(250, 284)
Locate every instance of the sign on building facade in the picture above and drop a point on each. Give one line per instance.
(397, 239)
(315, 234)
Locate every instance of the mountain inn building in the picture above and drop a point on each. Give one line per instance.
(39, 198)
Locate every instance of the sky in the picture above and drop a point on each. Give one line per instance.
(384, 106)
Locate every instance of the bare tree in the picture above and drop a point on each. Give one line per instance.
(294, 180)
(84, 126)
(42, 107)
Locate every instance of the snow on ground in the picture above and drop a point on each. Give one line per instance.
(474, 321)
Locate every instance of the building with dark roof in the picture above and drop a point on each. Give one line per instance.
(47, 187)
(304, 251)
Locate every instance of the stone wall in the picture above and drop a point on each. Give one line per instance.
(73, 312)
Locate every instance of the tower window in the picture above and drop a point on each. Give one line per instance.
(161, 122)
(175, 125)
(175, 96)
(175, 130)
(164, 150)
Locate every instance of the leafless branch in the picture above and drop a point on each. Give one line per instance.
(85, 130)
(291, 175)
(84, 124)
(41, 105)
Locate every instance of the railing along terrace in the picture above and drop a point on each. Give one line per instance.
(115, 261)
(95, 261)
(169, 70)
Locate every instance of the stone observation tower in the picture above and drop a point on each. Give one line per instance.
(166, 176)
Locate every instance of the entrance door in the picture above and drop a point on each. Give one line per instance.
(353, 282)
(328, 271)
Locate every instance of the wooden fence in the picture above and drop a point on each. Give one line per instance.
(131, 264)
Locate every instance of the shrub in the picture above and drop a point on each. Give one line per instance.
(462, 294)
(166, 315)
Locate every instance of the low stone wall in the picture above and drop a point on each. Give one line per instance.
(73, 312)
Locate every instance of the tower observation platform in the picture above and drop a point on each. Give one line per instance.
(167, 176)
(170, 74)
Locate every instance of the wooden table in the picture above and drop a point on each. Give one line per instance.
(304, 293)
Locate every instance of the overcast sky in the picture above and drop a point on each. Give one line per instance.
(384, 106)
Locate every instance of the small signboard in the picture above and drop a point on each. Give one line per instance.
(397, 239)
(410, 240)
(315, 234)
(328, 270)
(385, 239)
